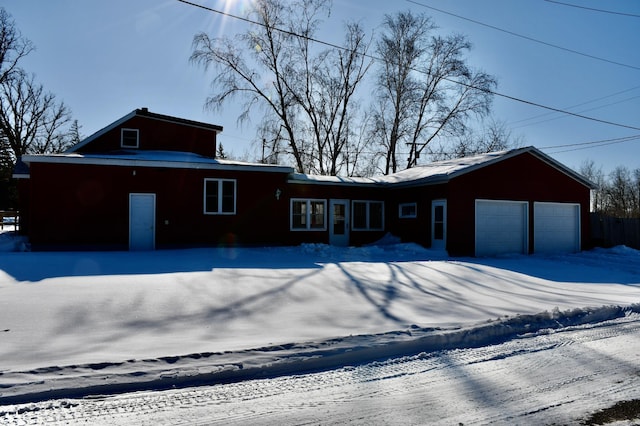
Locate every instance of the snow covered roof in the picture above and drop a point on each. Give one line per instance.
(332, 180)
(429, 174)
(143, 158)
(440, 171)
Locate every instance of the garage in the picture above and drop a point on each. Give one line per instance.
(501, 227)
(556, 227)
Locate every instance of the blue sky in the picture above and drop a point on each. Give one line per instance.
(104, 59)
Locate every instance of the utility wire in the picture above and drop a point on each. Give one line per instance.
(280, 30)
(577, 105)
(596, 146)
(555, 46)
(594, 9)
(581, 111)
(378, 59)
(603, 141)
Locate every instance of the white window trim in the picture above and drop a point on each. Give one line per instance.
(308, 227)
(368, 212)
(408, 216)
(220, 196)
(122, 145)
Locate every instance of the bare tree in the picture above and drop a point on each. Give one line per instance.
(307, 93)
(622, 198)
(636, 191)
(13, 46)
(328, 85)
(74, 134)
(589, 170)
(425, 88)
(495, 136)
(31, 120)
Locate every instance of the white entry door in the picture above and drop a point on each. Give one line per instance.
(439, 224)
(339, 222)
(142, 221)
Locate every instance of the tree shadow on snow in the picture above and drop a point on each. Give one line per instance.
(37, 266)
(597, 267)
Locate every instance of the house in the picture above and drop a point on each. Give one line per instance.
(152, 181)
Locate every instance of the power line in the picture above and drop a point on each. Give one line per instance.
(280, 30)
(590, 145)
(581, 111)
(366, 55)
(585, 117)
(594, 9)
(555, 46)
(602, 141)
(578, 105)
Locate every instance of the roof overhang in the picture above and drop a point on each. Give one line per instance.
(188, 162)
(303, 179)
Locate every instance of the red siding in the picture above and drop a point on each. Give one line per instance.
(89, 205)
(520, 178)
(344, 192)
(155, 134)
(416, 230)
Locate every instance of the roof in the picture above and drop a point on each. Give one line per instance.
(144, 112)
(441, 171)
(20, 170)
(163, 159)
(429, 174)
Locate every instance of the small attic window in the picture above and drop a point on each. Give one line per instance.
(129, 138)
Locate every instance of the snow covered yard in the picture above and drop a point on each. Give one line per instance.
(100, 322)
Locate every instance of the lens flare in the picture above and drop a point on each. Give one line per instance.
(239, 8)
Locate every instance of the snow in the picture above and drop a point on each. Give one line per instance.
(77, 323)
(152, 158)
(437, 171)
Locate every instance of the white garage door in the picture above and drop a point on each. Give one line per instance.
(501, 227)
(556, 228)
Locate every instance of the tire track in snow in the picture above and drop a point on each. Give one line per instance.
(485, 377)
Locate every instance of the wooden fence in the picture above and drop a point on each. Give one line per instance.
(609, 231)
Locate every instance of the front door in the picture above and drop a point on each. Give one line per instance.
(439, 224)
(339, 222)
(142, 221)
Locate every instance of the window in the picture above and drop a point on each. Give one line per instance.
(368, 215)
(219, 196)
(308, 215)
(408, 210)
(129, 138)
(438, 222)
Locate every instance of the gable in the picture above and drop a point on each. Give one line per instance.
(522, 177)
(144, 130)
(445, 171)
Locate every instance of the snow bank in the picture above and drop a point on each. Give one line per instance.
(77, 381)
(10, 241)
(80, 323)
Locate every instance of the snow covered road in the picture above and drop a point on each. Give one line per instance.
(548, 377)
